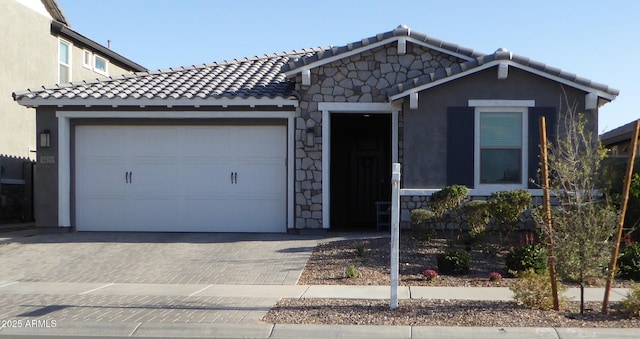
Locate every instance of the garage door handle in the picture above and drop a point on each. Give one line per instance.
(234, 177)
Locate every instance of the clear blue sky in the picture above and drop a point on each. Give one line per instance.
(598, 40)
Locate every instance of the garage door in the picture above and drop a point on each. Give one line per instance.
(180, 178)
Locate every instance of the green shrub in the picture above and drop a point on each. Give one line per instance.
(477, 217)
(506, 208)
(629, 262)
(454, 262)
(421, 217)
(533, 290)
(522, 258)
(351, 272)
(447, 199)
(360, 250)
(631, 302)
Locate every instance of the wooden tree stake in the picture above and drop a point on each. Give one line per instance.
(623, 211)
(547, 212)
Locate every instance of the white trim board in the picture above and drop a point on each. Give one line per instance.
(474, 192)
(368, 46)
(168, 102)
(350, 108)
(494, 63)
(64, 147)
(173, 114)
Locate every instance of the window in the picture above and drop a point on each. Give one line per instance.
(64, 61)
(86, 59)
(100, 65)
(501, 148)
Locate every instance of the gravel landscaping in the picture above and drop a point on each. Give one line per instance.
(329, 261)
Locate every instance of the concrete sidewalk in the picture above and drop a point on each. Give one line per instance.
(285, 291)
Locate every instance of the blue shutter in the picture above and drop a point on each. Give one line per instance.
(534, 139)
(460, 145)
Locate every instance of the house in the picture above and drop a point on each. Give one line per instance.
(296, 140)
(38, 47)
(618, 140)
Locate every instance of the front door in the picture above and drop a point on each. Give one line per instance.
(360, 168)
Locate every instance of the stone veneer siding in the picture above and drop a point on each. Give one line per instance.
(412, 202)
(363, 77)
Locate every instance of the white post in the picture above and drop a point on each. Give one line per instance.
(395, 233)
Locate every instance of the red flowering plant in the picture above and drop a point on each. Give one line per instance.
(430, 275)
(495, 276)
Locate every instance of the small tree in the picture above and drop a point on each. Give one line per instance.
(448, 200)
(506, 207)
(585, 221)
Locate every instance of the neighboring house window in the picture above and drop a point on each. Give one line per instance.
(100, 65)
(64, 61)
(86, 59)
(500, 146)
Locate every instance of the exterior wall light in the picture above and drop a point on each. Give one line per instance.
(311, 136)
(45, 139)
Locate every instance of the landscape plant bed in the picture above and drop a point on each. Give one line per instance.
(441, 313)
(329, 261)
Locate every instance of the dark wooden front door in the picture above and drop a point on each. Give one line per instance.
(360, 169)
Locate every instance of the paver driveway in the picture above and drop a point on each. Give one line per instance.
(162, 258)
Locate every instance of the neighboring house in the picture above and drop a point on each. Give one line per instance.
(38, 47)
(618, 140)
(299, 140)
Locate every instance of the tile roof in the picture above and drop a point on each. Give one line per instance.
(618, 134)
(499, 55)
(255, 77)
(265, 76)
(400, 31)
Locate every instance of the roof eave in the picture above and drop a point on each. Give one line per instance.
(610, 96)
(370, 46)
(168, 102)
(60, 28)
(55, 11)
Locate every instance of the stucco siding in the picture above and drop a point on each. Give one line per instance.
(28, 55)
(81, 72)
(45, 198)
(425, 141)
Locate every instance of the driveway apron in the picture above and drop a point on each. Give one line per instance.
(146, 277)
(160, 258)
